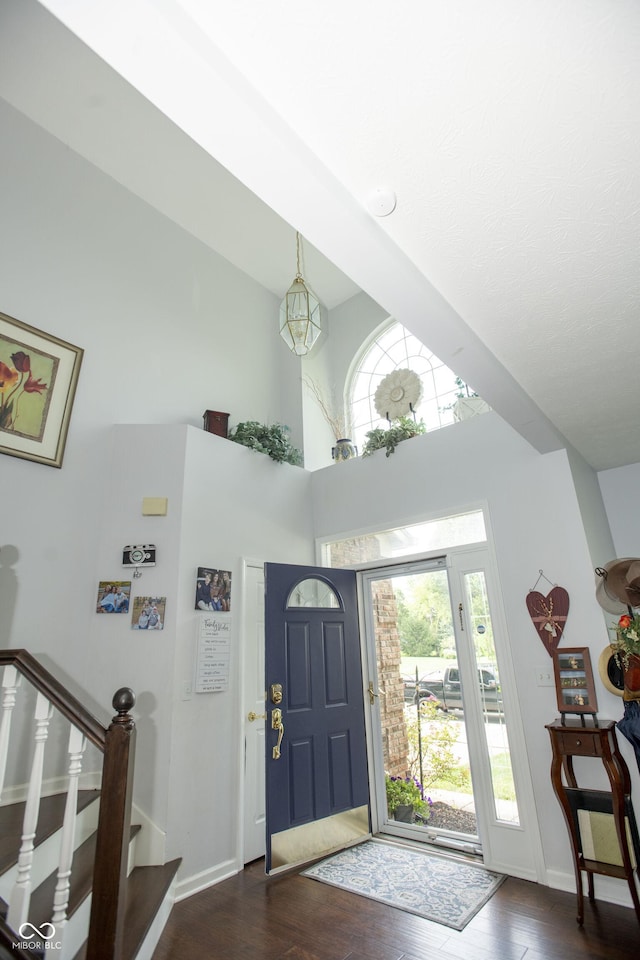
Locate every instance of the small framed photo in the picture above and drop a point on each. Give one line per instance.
(213, 589)
(148, 613)
(575, 689)
(38, 378)
(113, 596)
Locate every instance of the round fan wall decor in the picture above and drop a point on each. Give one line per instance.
(399, 393)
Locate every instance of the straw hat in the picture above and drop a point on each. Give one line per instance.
(611, 672)
(618, 585)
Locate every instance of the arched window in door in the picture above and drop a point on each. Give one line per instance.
(313, 592)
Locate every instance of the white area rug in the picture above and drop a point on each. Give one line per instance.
(447, 891)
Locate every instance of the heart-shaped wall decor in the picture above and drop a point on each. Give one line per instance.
(549, 615)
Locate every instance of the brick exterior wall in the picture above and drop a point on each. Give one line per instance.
(394, 733)
(350, 553)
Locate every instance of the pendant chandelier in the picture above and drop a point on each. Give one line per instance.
(299, 313)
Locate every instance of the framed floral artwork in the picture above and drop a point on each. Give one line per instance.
(38, 378)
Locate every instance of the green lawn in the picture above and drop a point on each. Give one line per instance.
(503, 787)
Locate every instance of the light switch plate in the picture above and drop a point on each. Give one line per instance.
(545, 677)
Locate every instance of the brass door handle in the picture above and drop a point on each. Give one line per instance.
(251, 716)
(277, 724)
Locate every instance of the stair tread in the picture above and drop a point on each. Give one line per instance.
(146, 889)
(41, 907)
(50, 819)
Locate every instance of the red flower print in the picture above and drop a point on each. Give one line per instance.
(34, 386)
(21, 361)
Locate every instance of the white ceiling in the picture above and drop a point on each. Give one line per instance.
(509, 130)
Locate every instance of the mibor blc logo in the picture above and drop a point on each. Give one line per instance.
(37, 938)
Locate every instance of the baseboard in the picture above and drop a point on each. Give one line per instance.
(151, 842)
(52, 786)
(609, 889)
(207, 878)
(511, 871)
(92, 780)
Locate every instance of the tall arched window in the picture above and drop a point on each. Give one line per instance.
(395, 348)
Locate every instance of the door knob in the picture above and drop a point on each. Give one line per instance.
(251, 716)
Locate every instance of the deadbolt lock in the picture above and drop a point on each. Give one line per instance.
(275, 692)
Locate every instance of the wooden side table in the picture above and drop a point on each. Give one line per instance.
(571, 739)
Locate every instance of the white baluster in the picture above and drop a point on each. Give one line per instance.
(10, 684)
(21, 893)
(59, 920)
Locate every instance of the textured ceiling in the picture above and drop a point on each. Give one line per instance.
(510, 132)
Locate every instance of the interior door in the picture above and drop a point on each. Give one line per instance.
(316, 764)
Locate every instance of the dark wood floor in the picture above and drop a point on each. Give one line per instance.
(250, 917)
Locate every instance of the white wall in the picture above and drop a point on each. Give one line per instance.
(168, 330)
(594, 516)
(348, 327)
(226, 503)
(536, 524)
(621, 490)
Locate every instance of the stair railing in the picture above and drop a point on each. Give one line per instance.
(117, 744)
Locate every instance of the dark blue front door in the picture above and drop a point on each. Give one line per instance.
(316, 763)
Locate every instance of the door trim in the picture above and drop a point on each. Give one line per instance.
(245, 626)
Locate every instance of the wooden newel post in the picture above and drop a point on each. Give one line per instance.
(106, 925)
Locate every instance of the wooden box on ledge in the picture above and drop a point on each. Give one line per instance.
(216, 422)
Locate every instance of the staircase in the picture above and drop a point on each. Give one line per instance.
(68, 860)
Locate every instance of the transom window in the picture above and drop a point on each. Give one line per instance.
(395, 348)
(440, 533)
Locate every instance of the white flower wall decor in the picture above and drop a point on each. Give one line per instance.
(399, 393)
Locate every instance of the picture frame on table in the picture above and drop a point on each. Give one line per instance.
(38, 379)
(575, 689)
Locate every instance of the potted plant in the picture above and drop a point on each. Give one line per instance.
(272, 439)
(405, 798)
(401, 429)
(626, 649)
(467, 404)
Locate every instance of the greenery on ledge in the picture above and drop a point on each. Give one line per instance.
(401, 429)
(272, 439)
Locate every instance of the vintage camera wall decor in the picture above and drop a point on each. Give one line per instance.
(139, 555)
